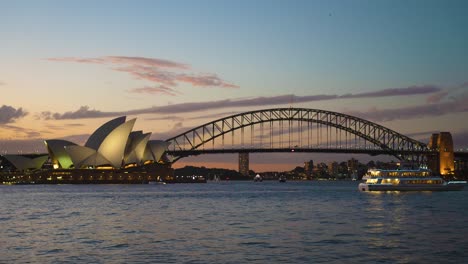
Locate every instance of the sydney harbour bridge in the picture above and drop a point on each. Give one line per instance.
(298, 130)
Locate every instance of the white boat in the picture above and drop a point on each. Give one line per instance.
(407, 179)
(258, 178)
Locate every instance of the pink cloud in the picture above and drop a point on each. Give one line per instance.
(205, 80)
(157, 71)
(161, 89)
(437, 97)
(152, 62)
(150, 74)
(448, 93)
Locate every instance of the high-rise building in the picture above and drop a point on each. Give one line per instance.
(244, 163)
(308, 168)
(333, 168)
(353, 165)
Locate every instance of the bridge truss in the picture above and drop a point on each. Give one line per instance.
(295, 129)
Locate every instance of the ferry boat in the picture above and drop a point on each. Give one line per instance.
(407, 179)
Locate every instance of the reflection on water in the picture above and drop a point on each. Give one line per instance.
(236, 222)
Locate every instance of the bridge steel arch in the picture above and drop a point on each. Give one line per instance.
(384, 139)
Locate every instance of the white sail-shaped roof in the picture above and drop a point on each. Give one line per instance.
(129, 156)
(78, 154)
(113, 146)
(84, 156)
(155, 149)
(56, 149)
(131, 138)
(96, 139)
(136, 145)
(96, 160)
(24, 163)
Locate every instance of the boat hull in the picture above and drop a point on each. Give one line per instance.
(413, 187)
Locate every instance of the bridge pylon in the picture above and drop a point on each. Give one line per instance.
(444, 160)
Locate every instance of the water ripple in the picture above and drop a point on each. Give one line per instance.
(237, 222)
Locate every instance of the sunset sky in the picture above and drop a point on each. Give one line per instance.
(67, 67)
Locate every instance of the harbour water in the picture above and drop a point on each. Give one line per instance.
(230, 222)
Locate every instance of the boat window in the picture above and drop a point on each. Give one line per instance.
(390, 181)
(372, 180)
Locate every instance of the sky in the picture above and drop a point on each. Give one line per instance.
(69, 66)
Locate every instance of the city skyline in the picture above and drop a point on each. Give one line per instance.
(68, 67)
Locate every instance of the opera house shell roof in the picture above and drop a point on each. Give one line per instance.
(113, 145)
(24, 163)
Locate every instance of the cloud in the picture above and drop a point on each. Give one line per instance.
(2, 83)
(152, 62)
(156, 75)
(153, 75)
(160, 89)
(226, 103)
(458, 105)
(279, 100)
(204, 80)
(85, 112)
(163, 73)
(437, 97)
(450, 92)
(9, 114)
(411, 90)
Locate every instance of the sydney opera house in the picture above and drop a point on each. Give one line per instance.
(112, 154)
